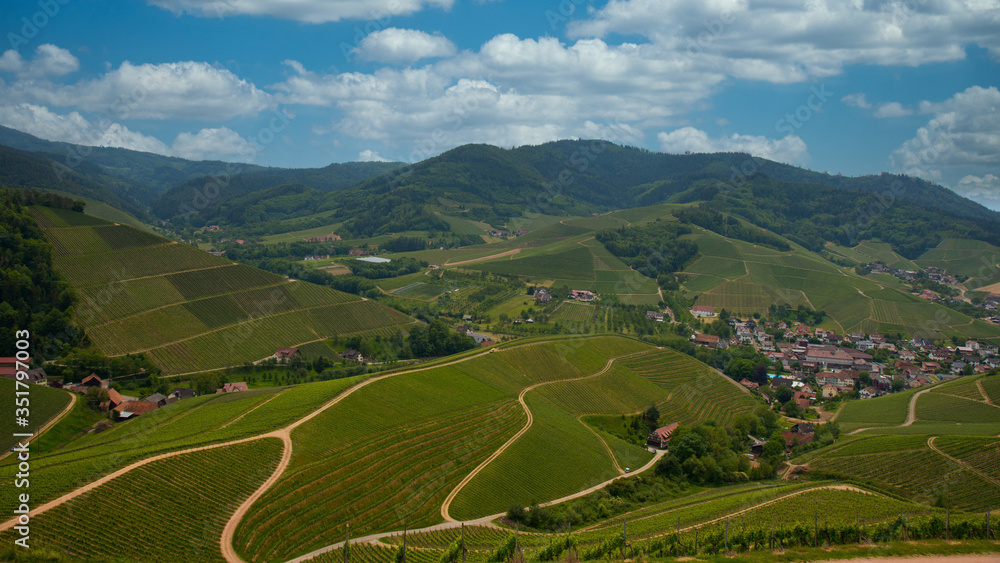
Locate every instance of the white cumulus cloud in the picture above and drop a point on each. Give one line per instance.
(985, 189)
(310, 11)
(395, 45)
(74, 128)
(856, 101)
(892, 109)
(219, 143)
(369, 155)
(790, 149)
(49, 60)
(184, 90)
(964, 131)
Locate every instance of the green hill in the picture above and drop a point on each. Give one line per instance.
(186, 309)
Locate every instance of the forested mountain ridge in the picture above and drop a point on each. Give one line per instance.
(495, 185)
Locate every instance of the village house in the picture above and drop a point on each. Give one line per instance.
(654, 316)
(183, 393)
(582, 295)
(284, 354)
(158, 398)
(131, 409)
(114, 399)
(829, 391)
(749, 384)
(700, 311)
(542, 295)
(868, 393)
(233, 387)
(353, 355)
(660, 437)
(709, 340)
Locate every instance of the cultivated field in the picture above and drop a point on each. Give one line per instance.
(189, 310)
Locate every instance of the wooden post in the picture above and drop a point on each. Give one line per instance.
(347, 544)
(624, 540)
(988, 531)
(464, 551)
(816, 528)
(947, 523)
(404, 543)
(516, 528)
(859, 527)
(772, 532)
(727, 535)
(677, 546)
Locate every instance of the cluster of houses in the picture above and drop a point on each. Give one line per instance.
(130, 407)
(654, 316)
(582, 295)
(836, 362)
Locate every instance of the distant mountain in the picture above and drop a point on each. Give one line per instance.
(156, 172)
(231, 199)
(21, 169)
(491, 184)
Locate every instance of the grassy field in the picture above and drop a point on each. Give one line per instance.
(189, 310)
(176, 507)
(44, 403)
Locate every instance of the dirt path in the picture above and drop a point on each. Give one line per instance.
(484, 521)
(531, 419)
(974, 558)
(91, 486)
(607, 448)
(226, 541)
(982, 391)
(964, 465)
(484, 258)
(281, 434)
(778, 499)
(50, 423)
(238, 418)
(911, 417)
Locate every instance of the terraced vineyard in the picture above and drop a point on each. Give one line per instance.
(189, 423)
(376, 482)
(189, 310)
(909, 465)
(695, 391)
(176, 507)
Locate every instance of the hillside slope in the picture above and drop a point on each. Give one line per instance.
(189, 310)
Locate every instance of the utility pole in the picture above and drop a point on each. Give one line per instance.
(347, 544)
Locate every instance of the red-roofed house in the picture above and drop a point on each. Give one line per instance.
(131, 409)
(285, 353)
(660, 437)
(233, 387)
(114, 399)
(703, 311)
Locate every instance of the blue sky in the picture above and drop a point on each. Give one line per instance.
(843, 87)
